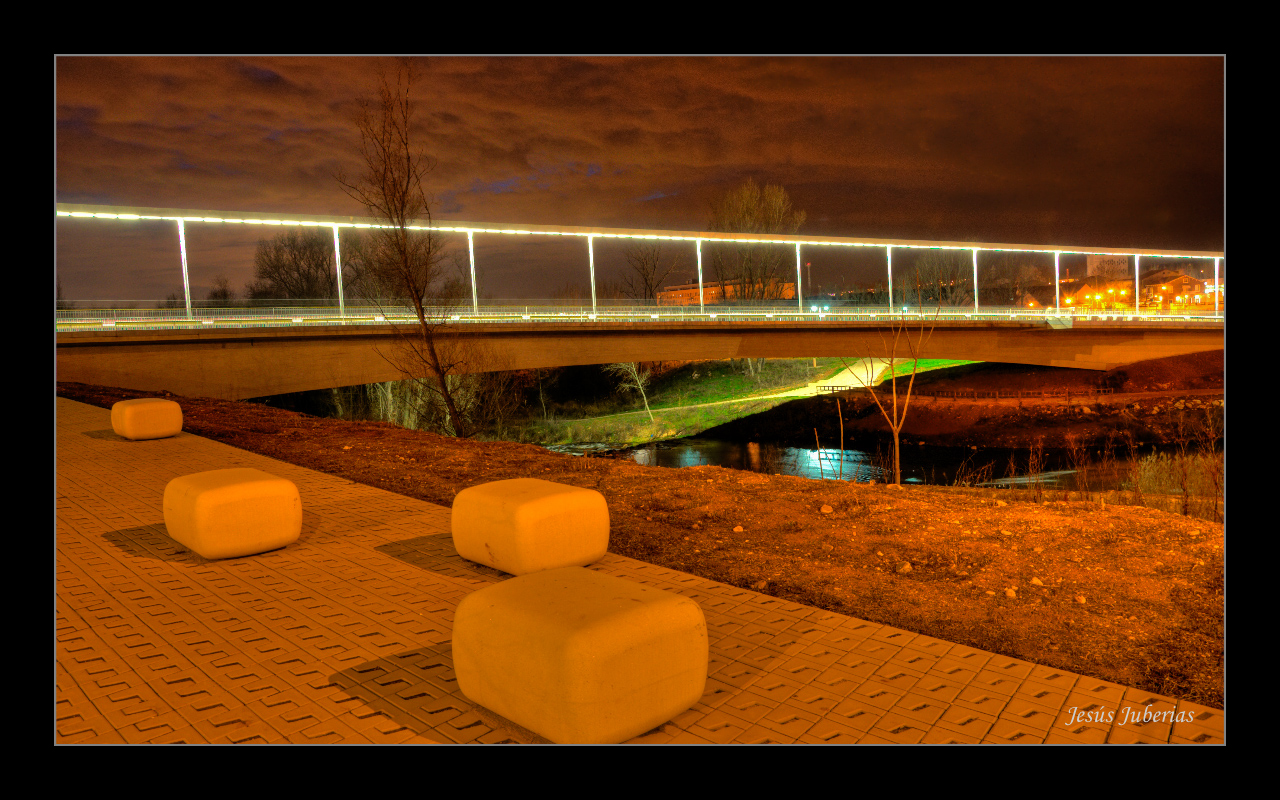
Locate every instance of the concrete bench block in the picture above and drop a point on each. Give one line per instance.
(227, 513)
(525, 525)
(580, 657)
(146, 418)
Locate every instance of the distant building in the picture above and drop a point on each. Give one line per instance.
(1161, 276)
(1097, 292)
(686, 294)
(1169, 288)
(1106, 266)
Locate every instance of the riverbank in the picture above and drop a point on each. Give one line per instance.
(1125, 594)
(1158, 402)
(673, 414)
(1145, 418)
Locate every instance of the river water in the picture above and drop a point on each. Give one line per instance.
(921, 464)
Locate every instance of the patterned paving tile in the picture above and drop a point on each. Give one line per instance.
(343, 637)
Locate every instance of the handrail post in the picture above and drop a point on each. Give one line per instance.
(337, 260)
(799, 286)
(975, 279)
(701, 309)
(1057, 298)
(1217, 287)
(1137, 257)
(471, 250)
(591, 255)
(889, 256)
(186, 282)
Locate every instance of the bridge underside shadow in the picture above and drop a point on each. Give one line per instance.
(241, 363)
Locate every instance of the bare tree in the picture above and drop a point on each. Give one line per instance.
(571, 291)
(754, 271)
(945, 275)
(648, 271)
(221, 294)
(295, 265)
(457, 285)
(610, 290)
(866, 295)
(59, 301)
(402, 264)
(545, 378)
(631, 376)
(1009, 276)
(899, 335)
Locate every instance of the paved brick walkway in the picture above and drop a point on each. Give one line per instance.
(344, 635)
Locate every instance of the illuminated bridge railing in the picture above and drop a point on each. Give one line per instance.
(292, 316)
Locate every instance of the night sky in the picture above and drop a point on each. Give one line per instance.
(1122, 152)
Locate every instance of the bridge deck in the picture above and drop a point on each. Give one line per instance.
(237, 363)
(344, 636)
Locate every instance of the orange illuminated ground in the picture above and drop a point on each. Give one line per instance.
(1152, 581)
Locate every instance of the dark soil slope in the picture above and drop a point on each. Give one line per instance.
(1195, 371)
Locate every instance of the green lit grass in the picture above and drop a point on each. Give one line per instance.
(903, 368)
(635, 427)
(718, 381)
(685, 401)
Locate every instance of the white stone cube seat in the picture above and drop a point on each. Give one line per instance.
(525, 525)
(580, 657)
(146, 418)
(228, 513)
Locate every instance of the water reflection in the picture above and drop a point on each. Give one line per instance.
(921, 464)
(828, 463)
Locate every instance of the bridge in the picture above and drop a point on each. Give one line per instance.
(233, 362)
(236, 353)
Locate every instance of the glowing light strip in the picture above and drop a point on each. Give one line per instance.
(975, 279)
(1057, 299)
(337, 259)
(186, 283)
(1217, 286)
(700, 305)
(1137, 290)
(471, 249)
(799, 288)
(889, 254)
(662, 236)
(591, 256)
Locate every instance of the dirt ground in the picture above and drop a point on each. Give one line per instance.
(1121, 593)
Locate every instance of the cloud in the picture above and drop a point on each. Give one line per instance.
(1087, 150)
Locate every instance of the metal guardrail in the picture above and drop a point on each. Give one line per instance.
(311, 315)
